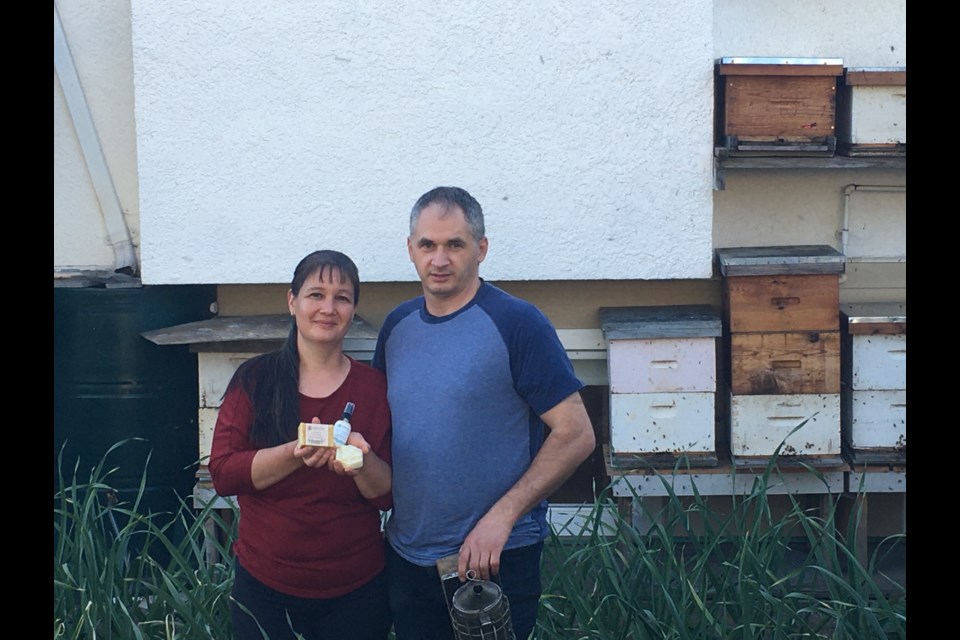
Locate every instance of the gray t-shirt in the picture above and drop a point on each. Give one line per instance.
(466, 391)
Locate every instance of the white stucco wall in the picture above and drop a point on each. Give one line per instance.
(98, 34)
(263, 133)
(583, 130)
(865, 33)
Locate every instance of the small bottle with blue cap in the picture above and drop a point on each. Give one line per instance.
(341, 428)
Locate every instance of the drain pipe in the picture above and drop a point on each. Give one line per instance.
(118, 235)
(848, 192)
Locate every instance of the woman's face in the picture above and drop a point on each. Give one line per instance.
(323, 307)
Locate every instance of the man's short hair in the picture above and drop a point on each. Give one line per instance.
(449, 196)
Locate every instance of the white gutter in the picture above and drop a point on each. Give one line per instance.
(118, 235)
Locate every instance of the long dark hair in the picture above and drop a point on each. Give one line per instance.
(272, 380)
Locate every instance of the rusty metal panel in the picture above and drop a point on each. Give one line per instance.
(662, 366)
(758, 424)
(649, 423)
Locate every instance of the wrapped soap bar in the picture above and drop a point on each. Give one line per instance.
(313, 434)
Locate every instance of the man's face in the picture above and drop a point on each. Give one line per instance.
(445, 253)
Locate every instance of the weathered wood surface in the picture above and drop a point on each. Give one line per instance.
(241, 329)
(785, 363)
(635, 461)
(880, 318)
(783, 303)
(670, 321)
(780, 108)
(876, 77)
(792, 462)
(786, 67)
(796, 259)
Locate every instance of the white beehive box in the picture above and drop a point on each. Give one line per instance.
(659, 365)
(215, 371)
(649, 424)
(662, 373)
(872, 111)
(760, 423)
(874, 376)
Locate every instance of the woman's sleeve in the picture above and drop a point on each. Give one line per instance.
(231, 453)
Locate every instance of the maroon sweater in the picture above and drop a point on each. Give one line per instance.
(311, 535)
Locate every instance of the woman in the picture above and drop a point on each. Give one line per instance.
(309, 551)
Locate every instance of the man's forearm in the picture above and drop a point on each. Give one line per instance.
(571, 441)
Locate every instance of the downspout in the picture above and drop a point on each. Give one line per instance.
(848, 192)
(118, 235)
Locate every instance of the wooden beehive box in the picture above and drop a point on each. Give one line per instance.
(785, 362)
(774, 106)
(872, 112)
(662, 368)
(783, 301)
(874, 372)
(782, 333)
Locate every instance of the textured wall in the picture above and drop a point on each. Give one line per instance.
(582, 129)
(266, 135)
(865, 33)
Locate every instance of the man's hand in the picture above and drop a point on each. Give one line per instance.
(480, 552)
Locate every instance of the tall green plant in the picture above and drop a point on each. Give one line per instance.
(108, 577)
(748, 574)
(695, 572)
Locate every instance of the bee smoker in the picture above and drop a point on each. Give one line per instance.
(478, 608)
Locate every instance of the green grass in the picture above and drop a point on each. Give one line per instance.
(742, 571)
(120, 571)
(727, 567)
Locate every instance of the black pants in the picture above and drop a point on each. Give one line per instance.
(359, 615)
(420, 610)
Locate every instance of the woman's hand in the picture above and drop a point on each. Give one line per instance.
(315, 457)
(359, 442)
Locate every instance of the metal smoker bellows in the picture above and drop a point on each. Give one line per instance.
(479, 609)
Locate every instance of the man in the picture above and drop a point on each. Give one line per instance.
(473, 375)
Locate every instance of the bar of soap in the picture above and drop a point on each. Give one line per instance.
(350, 456)
(312, 434)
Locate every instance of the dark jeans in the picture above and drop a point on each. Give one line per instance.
(362, 613)
(420, 610)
